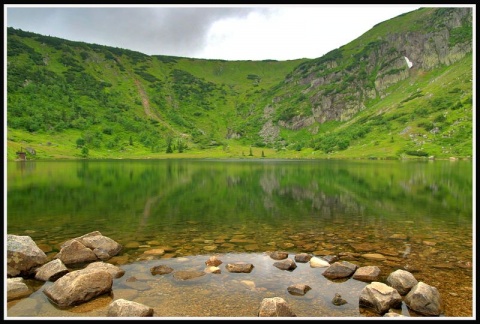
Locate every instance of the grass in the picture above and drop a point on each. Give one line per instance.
(125, 104)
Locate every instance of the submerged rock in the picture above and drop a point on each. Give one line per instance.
(126, 308)
(239, 267)
(17, 288)
(275, 307)
(160, 269)
(188, 274)
(298, 289)
(338, 300)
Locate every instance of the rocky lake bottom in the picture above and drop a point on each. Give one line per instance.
(228, 294)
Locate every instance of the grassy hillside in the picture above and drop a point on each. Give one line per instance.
(70, 99)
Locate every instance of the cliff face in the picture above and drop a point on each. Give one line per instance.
(342, 82)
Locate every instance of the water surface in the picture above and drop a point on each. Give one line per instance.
(417, 214)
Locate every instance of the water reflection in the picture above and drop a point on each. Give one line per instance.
(416, 214)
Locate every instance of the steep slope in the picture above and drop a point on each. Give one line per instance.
(402, 89)
(348, 80)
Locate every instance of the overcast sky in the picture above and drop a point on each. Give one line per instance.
(228, 32)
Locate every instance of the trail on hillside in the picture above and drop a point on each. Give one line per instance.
(145, 102)
(146, 105)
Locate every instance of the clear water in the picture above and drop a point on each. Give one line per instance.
(417, 214)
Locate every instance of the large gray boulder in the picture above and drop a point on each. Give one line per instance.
(75, 252)
(380, 297)
(101, 245)
(424, 299)
(88, 248)
(402, 281)
(23, 256)
(79, 286)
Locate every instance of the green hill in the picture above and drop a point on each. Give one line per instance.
(70, 99)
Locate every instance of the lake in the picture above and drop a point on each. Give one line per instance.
(417, 214)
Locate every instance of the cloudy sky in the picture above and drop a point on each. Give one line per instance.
(229, 32)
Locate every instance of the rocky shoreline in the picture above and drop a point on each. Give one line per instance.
(74, 286)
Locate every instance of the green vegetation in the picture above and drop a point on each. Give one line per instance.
(76, 100)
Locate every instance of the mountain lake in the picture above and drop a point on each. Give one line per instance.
(416, 214)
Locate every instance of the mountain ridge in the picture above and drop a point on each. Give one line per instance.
(69, 99)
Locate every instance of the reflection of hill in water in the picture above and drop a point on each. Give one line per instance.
(186, 190)
(224, 207)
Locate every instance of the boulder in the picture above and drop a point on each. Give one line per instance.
(302, 257)
(17, 288)
(339, 269)
(79, 286)
(51, 271)
(126, 308)
(402, 281)
(379, 297)
(213, 261)
(75, 252)
(239, 267)
(104, 247)
(287, 264)
(316, 262)
(298, 289)
(275, 307)
(367, 273)
(23, 256)
(279, 255)
(424, 299)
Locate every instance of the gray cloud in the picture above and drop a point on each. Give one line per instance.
(178, 31)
